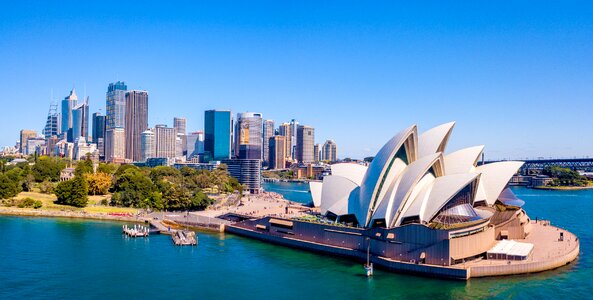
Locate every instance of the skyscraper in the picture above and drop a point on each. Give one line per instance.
(317, 152)
(248, 136)
(67, 105)
(277, 152)
(218, 125)
(136, 122)
(148, 144)
(247, 172)
(195, 144)
(268, 133)
(180, 125)
(50, 144)
(52, 124)
(305, 142)
(116, 138)
(165, 138)
(98, 127)
(294, 125)
(285, 130)
(330, 151)
(25, 136)
(116, 105)
(80, 120)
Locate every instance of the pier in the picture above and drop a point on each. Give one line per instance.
(136, 231)
(184, 238)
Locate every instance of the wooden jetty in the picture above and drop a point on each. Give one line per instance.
(136, 231)
(184, 238)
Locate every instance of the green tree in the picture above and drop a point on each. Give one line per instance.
(8, 188)
(122, 169)
(84, 167)
(161, 172)
(200, 201)
(48, 168)
(107, 168)
(15, 174)
(134, 188)
(565, 176)
(72, 192)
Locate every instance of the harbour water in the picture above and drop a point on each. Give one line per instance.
(68, 259)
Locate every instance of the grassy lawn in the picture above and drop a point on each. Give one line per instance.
(94, 205)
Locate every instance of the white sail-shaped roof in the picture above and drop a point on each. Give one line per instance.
(354, 172)
(434, 140)
(495, 177)
(336, 189)
(375, 178)
(419, 203)
(410, 181)
(315, 187)
(385, 198)
(463, 160)
(411, 176)
(444, 189)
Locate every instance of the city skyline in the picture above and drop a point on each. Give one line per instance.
(501, 77)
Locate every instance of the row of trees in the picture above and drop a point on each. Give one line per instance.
(130, 186)
(565, 177)
(22, 176)
(157, 188)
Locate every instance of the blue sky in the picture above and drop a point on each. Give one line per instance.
(517, 77)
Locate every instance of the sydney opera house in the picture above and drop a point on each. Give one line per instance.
(422, 209)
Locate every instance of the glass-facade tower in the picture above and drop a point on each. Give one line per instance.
(116, 105)
(248, 135)
(67, 105)
(218, 126)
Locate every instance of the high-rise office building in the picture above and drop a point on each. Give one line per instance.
(330, 151)
(305, 142)
(148, 144)
(115, 145)
(52, 124)
(98, 127)
(25, 136)
(277, 153)
(317, 153)
(247, 172)
(294, 125)
(194, 144)
(80, 120)
(180, 125)
(67, 105)
(179, 145)
(268, 133)
(50, 145)
(115, 115)
(165, 138)
(136, 122)
(285, 130)
(35, 145)
(218, 126)
(248, 135)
